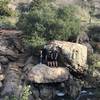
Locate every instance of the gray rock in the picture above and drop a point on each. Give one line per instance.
(9, 88)
(45, 93)
(3, 60)
(0, 69)
(89, 47)
(44, 74)
(5, 48)
(35, 93)
(1, 84)
(75, 86)
(12, 79)
(82, 38)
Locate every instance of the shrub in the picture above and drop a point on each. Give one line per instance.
(35, 41)
(93, 62)
(49, 22)
(25, 93)
(4, 10)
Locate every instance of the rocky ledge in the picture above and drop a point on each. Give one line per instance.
(44, 74)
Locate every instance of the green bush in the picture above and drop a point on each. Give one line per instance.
(4, 10)
(35, 41)
(25, 93)
(49, 22)
(93, 62)
(8, 17)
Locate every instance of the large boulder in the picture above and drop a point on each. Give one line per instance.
(44, 74)
(72, 53)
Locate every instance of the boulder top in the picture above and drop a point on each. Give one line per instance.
(44, 74)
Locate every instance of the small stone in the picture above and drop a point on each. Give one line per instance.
(2, 77)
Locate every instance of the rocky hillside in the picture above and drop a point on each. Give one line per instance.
(19, 62)
(17, 67)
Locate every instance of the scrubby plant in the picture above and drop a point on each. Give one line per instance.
(49, 22)
(93, 62)
(25, 93)
(35, 41)
(4, 10)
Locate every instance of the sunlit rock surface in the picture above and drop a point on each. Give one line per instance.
(2, 77)
(44, 74)
(72, 53)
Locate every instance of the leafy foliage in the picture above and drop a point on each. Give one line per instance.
(93, 62)
(4, 10)
(26, 92)
(35, 41)
(49, 22)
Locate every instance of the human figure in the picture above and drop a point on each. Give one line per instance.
(55, 57)
(49, 58)
(41, 57)
(44, 53)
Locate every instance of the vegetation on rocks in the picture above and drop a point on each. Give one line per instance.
(41, 22)
(4, 10)
(8, 17)
(46, 21)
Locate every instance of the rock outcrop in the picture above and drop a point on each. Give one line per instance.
(12, 79)
(73, 54)
(44, 74)
(11, 50)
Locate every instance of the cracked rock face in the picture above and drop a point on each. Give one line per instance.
(10, 50)
(44, 74)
